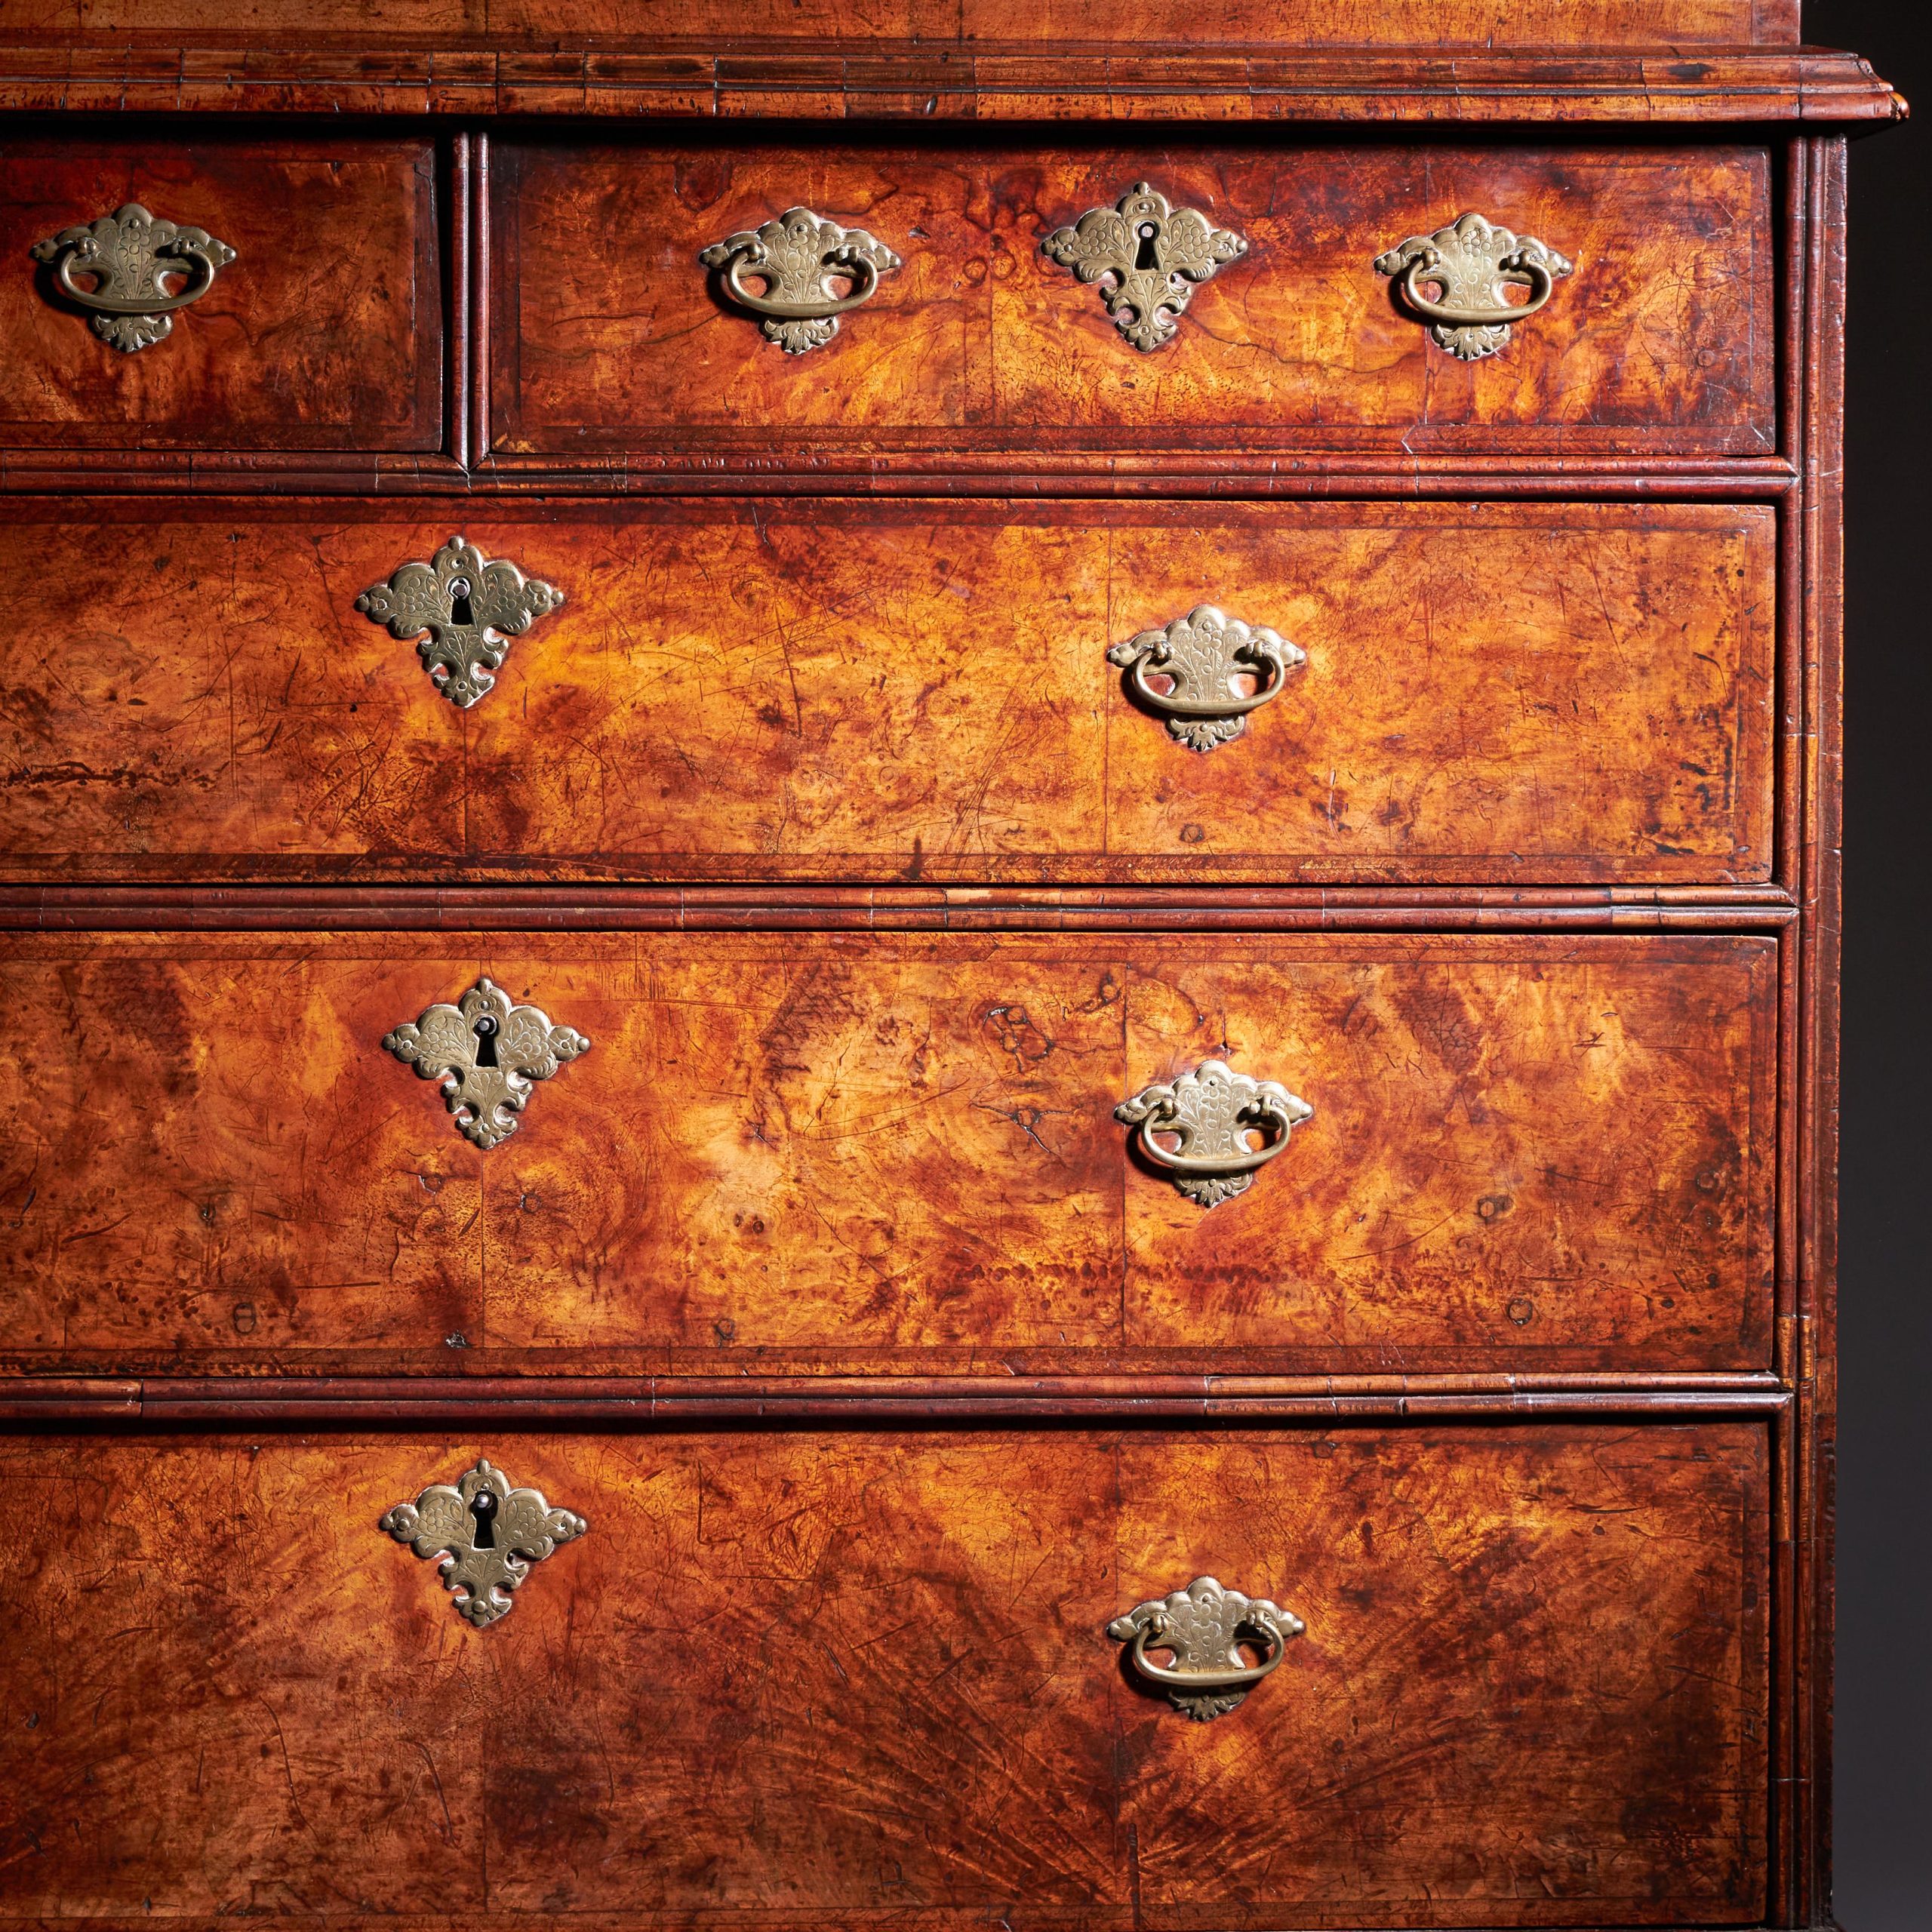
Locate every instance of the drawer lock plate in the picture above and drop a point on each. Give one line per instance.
(1149, 256)
(485, 1052)
(469, 606)
(487, 1534)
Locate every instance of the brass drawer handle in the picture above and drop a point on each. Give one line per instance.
(1201, 655)
(1471, 262)
(127, 254)
(485, 1052)
(800, 257)
(1156, 254)
(469, 606)
(487, 1534)
(1204, 1626)
(1211, 1111)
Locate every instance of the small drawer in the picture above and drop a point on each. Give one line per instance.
(628, 313)
(313, 268)
(795, 1678)
(825, 690)
(893, 1153)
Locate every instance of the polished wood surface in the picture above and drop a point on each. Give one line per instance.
(1515, 1373)
(607, 334)
(802, 1678)
(828, 690)
(733, 1399)
(1052, 24)
(817, 1152)
(925, 82)
(324, 333)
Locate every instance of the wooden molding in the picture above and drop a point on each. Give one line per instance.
(656, 1400)
(887, 908)
(924, 82)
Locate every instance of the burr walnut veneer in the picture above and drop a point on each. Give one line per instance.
(918, 927)
(829, 689)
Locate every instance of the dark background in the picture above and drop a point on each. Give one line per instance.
(1884, 1824)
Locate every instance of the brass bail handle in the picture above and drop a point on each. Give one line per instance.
(1531, 275)
(1224, 703)
(1203, 1627)
(1210, 1112)
(1231, 1677)
(865, 280)
(1178, 1161)
(198, 269)
(793, 255)
(1200, 657)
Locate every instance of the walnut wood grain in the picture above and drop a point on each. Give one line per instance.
(1807, 1569)
(985, 82)
(824, 1153)
(606, 336)
(1475, 23)
(1641, 1795)
(838, 690)
(1042, 469)
(807, 1675)
(955, 908)
(227, 1399)
(324, 333)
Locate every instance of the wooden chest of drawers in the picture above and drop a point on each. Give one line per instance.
(917, 925)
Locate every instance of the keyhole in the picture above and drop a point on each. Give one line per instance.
(1146, 258)
(460, 610)
(485, 1030)
(483, 1507)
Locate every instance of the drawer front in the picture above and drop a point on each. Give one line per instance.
(1556, 693)
(609, 334)
(801, 1677)
(886, 1153)
(323, 332)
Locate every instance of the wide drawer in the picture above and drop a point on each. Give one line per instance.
(1560, 693)
(609, 333)
(874, 1152)
(321, 327)
(798, 1679)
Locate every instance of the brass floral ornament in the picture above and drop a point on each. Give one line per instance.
(1204, 1626)
(487, 1534)
(469, 606)
(802, 259)
(1198, 659)
(1471, 262)
(130, 258)
(485, 1052)
(1211, 1112)
(1155, 254)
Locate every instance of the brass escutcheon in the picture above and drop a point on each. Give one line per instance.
(1200, 656)
(485, 1052)
(1204, 1626)
(131, 257)
(801, 258)
(1154, 253)
(487, 1534)
(1211, 1112)
(1471, 263)
(469, 606)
